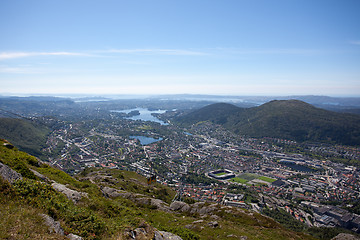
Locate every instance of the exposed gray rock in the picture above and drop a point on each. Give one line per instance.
(142, 201)
(213, 224)
(180, 206)
(198, 221)
(198, 205)
(206, 210)
(159, 204)
(54, 226)
(8, 174)
(111, 192)
(74, 237)
(39, 175)
(144, 231)
(126, 195)
(345, 236)
(73, 195)
(231, 236)
(176, 205)
(216, 217)
(185, 208)
(161, 235)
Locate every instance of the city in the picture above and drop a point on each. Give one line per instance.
(264, 174)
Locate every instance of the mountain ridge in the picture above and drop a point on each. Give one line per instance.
(289, 119)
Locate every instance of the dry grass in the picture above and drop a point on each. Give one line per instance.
(19, 222)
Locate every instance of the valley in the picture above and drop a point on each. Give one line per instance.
(314, 183)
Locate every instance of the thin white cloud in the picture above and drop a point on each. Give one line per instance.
(158, 51)
(270, 51)
(355, 42)
(12, 55)
(178, 52)
(19, 70)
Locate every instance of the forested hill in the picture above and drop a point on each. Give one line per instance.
(288, 119)
(25, 134)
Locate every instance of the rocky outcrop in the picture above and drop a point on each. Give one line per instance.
(54, 226)
(111, 192)
(180, 206)
(39, 175)
(345, 236)
(214, 224)
(139, 199)
(8, 174)
(146, 231)
(161, 235)
(73, 195)
(159, 204)
(74, 237)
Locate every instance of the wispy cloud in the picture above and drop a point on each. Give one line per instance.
(355, 42)
(19, 70)
(178, 52)
(157, 51)
(12, 55)
(162, 51)
(268, 51)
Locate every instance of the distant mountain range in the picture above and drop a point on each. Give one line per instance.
(288, 119)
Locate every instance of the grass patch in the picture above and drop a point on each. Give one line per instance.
(267, 179)
(238, 180)
(23, 222)
(220, 174)
(249, 176)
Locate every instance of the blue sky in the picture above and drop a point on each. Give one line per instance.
(235, 47)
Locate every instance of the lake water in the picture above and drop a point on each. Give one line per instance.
(145, 115)
(145, 140)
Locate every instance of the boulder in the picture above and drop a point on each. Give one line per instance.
(8, 174)
(159, 204)
(111, 192)
(213, 224)
(143, 232)
(54, 226)
(161, 235)
(345, 236)
(142, 201)
(198, 221)
(73, 195)
(180, 206)
(39, 175)
(74, 237)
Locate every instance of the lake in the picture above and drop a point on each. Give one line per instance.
(145, 140)
(145, 115)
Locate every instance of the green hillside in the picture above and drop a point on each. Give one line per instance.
(25, 134)
(288, 119)
(113, 204)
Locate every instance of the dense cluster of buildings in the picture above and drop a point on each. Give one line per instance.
(297, 177)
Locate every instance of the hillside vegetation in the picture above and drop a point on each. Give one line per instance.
(113, 204)
(288, 119)
(25, 134)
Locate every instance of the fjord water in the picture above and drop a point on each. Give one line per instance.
(145, 115)
(145, 140)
